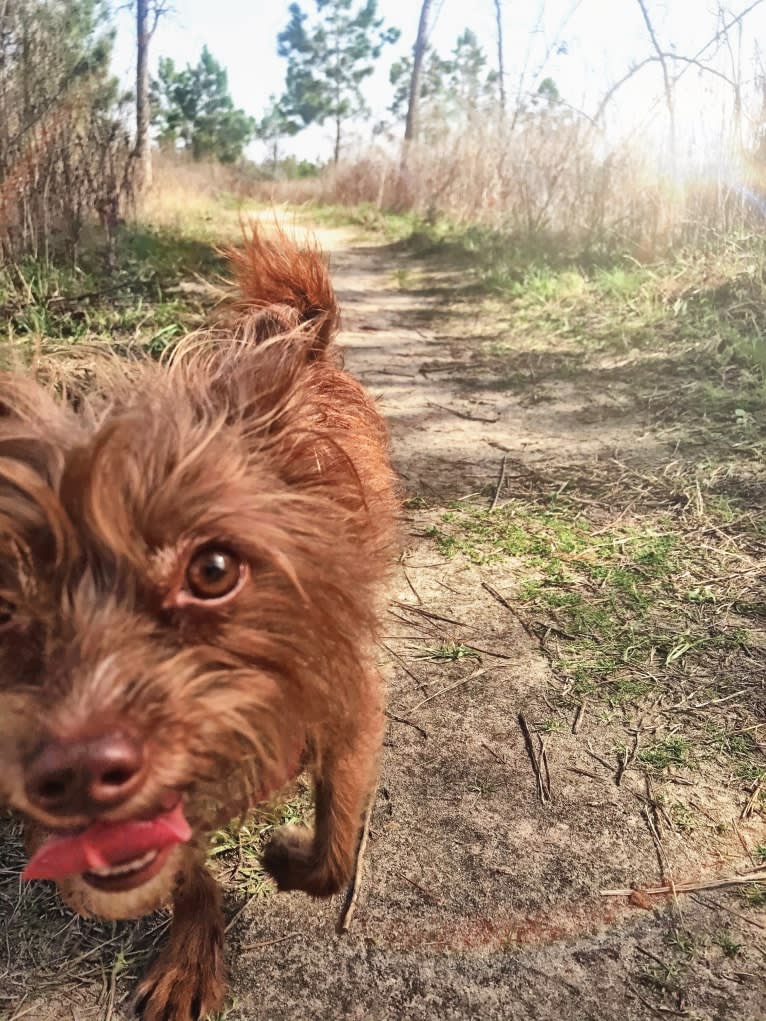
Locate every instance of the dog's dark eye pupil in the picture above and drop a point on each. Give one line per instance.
(213, 573)
(215, 567)
(6, 611)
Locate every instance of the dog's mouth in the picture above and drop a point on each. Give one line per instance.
(111, 856)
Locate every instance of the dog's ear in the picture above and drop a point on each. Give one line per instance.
(255, 365)
(282, 288)
(33, 437)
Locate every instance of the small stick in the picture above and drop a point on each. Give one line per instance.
(403, 665)
(352, 895)
(450, 687)
(627, 759)
(584, 772)
(412, 587)
(715, 906)
(542, 776)
(421, 889)
(658, 1008)
(270, 942)
(504, 602)
(235, 917)
(759, 876)
(409, 608)
(408, 723)
(494, 754)
(500, 482)
(578, 717)
(463, 414)
(593, 755)
(747, 811)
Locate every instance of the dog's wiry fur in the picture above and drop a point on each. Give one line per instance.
(252, 436)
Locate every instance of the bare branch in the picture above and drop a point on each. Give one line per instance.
(665, 76)
(693, 61)
(610, 93)
(702, 67)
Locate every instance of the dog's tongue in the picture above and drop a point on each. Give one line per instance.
(105, 844)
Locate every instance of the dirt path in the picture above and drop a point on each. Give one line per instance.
(482, 893)
(482, 898)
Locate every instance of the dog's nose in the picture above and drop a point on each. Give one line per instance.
(85, 777)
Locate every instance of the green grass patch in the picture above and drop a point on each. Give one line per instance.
(235, 851)
(703, 308)
(754, 895)
(673, 750)
(614, 601)
(368, 218)
(728, 945)
(138, 302)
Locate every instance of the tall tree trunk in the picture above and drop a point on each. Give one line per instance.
(143, 152)
(337, 138)
(500, 55)
(411, 126)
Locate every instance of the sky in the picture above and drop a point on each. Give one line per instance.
(603, 39)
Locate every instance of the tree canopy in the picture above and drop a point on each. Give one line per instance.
(192, 107)
(328, 59)
(449, 88)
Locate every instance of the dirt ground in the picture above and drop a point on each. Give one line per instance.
(483, 887)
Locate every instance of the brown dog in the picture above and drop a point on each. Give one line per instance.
(190, 563)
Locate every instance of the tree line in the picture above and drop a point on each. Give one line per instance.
(329, 56)
(75, 145)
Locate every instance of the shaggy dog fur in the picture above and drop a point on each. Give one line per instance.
(191, 558)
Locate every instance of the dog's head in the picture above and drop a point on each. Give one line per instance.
(173, 583)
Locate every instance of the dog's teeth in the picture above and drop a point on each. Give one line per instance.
(128, 866)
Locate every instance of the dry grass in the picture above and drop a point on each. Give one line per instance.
(185, 192)
(543, 179)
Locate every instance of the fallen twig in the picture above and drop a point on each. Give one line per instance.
(658, 1008)
(539, 760)
(409, 608)
(759, 876)
(462, 414)
(650, 813)
(352, 895)
(749, 807)
(270, 942)
(715, 906)
(509, 606)
(585, 772)
(392, 652)
(421, 889)
(626, 760)
(407, 723)
(237, 914)
(579, 713)
(500, 482)
(450, 687)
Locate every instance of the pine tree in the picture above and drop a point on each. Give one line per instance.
(328, 61)
(273, 127)
(194, 107)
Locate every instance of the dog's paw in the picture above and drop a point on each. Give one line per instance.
(180, 991)
(289, 858)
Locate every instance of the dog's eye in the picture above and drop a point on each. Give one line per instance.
(7, 611)
(214, 573)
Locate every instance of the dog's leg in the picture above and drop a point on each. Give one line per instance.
(187, 981)
(321, 861)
